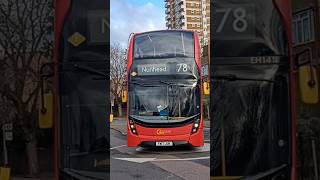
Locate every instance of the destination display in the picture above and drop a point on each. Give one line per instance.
(165, 69)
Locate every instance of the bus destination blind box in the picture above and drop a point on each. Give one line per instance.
(164, 69)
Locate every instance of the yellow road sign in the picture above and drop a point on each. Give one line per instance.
(133, 74)
(309, 94)
(46, 118)
(5, 173)
(124, 96)
(206, 88)
(111, 118)
(76, 39)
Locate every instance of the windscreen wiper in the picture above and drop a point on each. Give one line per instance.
(162, 56)
(172, 55)
(89, 70)
(232, 77)
(176, 84)
(144, 85)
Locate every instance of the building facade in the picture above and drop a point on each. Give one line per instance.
(193, 15)
(190, 15)
(305, 29)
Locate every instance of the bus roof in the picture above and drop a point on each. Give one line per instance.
(173, 30)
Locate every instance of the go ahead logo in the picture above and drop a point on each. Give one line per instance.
(163, 131)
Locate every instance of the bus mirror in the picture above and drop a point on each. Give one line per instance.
(206, 88)
(124, 96)
(308, 84)
(46, 112)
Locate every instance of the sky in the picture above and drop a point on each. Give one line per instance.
(127, 16)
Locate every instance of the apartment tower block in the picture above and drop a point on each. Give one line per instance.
(190, 15)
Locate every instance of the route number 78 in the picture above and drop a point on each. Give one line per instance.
(238, 15)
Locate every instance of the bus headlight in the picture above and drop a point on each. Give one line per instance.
(195, 126)
(132, 127)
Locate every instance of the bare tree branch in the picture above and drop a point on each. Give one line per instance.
(25, 43)
(118, 70)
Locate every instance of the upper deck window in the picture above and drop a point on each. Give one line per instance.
(164, 44)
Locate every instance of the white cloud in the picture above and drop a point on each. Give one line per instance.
(127, 18)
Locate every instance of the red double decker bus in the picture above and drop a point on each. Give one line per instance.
(164, 89)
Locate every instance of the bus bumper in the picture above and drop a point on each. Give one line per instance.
(195, 139)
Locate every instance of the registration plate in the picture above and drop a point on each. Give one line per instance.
(164, 143)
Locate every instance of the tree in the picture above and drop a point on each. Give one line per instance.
(26, 28)
(118, 70)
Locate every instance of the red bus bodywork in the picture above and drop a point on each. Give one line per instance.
(176, 134)
(61, 10)
(285, 10)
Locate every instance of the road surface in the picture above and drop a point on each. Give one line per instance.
(156, 163)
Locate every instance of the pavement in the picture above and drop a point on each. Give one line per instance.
(42, 176)
(23, 178)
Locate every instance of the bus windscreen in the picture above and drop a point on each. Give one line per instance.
(164, 103)
(163, 44)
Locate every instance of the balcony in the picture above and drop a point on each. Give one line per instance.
(182, 22)
(168, 24)
(179, 15)
(167, 5)
(168, 17)
(167, 11)
(181, 18)
(179, 8)
(178, 2)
